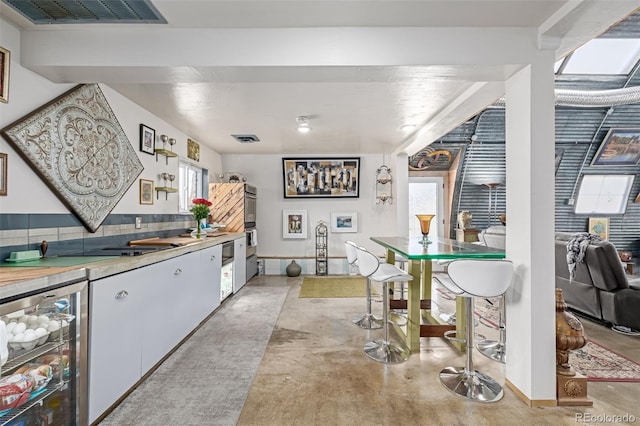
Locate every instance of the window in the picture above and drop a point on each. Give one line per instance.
(191, 184)
(425, 197)
(604, 56)
(604, 194)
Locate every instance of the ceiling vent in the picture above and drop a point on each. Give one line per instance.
(246, 138)
(88, 11)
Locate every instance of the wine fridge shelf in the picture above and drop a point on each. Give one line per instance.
(30, 355)
(7, 416)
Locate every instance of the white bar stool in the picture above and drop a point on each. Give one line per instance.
(479, 278)
(367, 321)
(496, 349)
(384, 350)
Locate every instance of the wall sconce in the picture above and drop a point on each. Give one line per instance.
(383, 185)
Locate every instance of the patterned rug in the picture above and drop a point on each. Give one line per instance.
(594, 361)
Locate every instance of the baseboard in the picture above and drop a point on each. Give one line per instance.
(531, 402)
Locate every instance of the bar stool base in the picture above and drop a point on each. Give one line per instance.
(493, 349)
(472, 385)
(386, 352)
(368, 322)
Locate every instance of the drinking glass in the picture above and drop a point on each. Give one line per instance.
(425, 224)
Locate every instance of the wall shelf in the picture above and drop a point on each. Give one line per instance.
(166, 154)
(166, 191)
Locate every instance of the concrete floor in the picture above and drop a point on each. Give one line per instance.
(269, 358)
(314, 373)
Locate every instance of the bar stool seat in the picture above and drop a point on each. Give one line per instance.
(384, 350)
(468, 279)
(367, 320)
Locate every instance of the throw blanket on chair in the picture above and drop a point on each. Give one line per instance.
(576, 249)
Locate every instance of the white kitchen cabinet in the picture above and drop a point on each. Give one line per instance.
(239, 263)
(115, 337)
(209, 282)
(136, 318)
(168, 315)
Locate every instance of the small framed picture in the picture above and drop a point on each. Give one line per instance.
(146, 191)
(5, 56)
(599, 226)
(294, 224)
(193, 150)
(344, 222)
(621, 147)
(3, 174)
(147, 139)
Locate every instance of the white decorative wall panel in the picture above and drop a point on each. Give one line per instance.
(76, 145)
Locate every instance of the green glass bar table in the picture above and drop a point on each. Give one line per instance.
(420, 322)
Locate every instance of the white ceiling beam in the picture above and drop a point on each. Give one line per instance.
(137, 50)
(465, 106)
(579, 21)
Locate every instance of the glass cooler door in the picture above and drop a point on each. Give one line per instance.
(43, 357)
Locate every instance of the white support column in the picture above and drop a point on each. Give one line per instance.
(401, 191)
(530, 141)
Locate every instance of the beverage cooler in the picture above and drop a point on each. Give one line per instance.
(43, 358)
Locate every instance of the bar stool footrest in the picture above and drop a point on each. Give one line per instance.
(451, 335)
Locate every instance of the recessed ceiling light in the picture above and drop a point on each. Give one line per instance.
(303, 124)
(408, 127)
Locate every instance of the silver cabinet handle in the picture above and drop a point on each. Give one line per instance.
(178, 271)
(121, 294)
(212, 258)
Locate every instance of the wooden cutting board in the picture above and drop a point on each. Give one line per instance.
(156, 241)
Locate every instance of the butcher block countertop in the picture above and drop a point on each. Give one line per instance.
(25, 279)
(16, 281)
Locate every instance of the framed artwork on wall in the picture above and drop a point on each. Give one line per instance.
(146, 191)
(3, 174)
(147, 139)
(620, 147)
(5, 57)
(599, 226)
(321, 177)
(294, 224)
(344, 222)
(193, 150)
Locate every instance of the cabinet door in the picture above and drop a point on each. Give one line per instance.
(211, 260)
(239, 263)
(115, 338)
(167, 316)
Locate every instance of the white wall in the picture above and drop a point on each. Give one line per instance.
(28, 91)
(265, 172)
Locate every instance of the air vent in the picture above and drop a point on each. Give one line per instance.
(246, 138)
(87, 11)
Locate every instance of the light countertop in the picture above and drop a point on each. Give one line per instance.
(15, 281)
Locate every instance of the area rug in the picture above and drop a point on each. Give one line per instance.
(338, 286)
(594, 361)
(600, 364)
